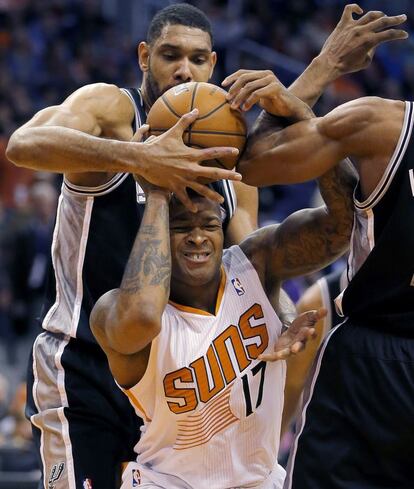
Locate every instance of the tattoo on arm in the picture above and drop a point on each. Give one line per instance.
(311, 239)
(149, 263)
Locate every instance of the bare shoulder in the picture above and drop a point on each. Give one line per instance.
(257, 247)
(98, 109)
(103, 99)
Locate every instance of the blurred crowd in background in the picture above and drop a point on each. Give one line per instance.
(49, 48)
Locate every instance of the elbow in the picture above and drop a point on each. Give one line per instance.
(15, 151)
(124, 327)
(132, 336)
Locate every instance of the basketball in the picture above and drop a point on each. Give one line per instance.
(216, 125)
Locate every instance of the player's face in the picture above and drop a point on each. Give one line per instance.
(196, 244)
(181, 54)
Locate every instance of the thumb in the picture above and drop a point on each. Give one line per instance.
(307, 319)
(139, 135)
(350, 9)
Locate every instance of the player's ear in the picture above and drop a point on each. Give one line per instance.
(143, 56)
(213, 61)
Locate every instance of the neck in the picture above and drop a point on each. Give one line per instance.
(203, 297)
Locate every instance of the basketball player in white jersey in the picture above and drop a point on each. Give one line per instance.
(187, 332)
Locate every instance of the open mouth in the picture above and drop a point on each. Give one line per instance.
(197, 257)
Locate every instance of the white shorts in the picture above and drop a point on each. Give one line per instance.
(136, 476)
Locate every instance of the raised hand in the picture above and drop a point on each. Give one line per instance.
(175, 166)
(352, 43)
(294, 339)
(248, 87)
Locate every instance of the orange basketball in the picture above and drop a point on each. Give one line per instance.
(217, 124)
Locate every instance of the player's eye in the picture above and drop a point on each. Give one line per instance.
(179, 229)
(199, 60)
(169, 56)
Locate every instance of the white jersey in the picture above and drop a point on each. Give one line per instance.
(212, 410)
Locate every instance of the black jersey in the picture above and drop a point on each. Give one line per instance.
(381, 263)
(93, 236)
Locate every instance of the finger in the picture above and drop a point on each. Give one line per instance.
(140, 133)
(385, 36)
(183, 197)
(385, 22)
(306, 320)
(151, 138)
(349, 10)
(250, 88)
(369, 17)
(243, 80)
(255, 97)
(275, 356)
(233, 77)
(213, 173)
(206, 192)
(297, 347)
(216, 152)
(185, 121)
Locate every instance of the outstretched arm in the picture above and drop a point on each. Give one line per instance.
(126, 320)
(89, 137)
(349, 48)
(366, 129)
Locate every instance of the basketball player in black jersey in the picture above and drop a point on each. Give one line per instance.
(84, 426)
(356, 428)
(319, 295)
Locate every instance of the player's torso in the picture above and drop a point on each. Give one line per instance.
(381, 262)
(213, 409)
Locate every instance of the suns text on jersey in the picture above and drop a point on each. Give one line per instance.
(217, 363)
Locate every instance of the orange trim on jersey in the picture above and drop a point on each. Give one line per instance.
(198, 428)
(137, 404)
(195, 310)
(227, 422)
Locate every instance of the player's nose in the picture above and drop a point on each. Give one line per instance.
(196, 237)
(183, 71)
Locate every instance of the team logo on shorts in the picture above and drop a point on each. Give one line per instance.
(136, 477)
(238, 287)
(87, 484)
(55, 474)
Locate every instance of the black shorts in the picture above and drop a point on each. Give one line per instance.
(357, 426)
(83, 424)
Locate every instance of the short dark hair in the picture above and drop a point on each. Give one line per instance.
(178, 14)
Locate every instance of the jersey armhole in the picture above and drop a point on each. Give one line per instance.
(103, 189)
(242, 259)
(147, 380)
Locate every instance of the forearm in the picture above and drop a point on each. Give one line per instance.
(293, 155)
(336, 187)
(313, 81)
(134, 317)
(64, 150)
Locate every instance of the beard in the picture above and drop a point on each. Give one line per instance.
(152, 89)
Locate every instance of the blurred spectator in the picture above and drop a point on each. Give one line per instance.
(29, 258)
